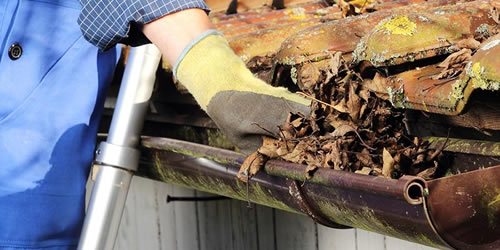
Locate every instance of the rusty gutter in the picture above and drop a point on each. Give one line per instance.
(409, 208)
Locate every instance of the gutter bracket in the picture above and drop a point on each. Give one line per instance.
(301, 200)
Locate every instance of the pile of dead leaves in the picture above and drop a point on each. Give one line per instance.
(354, 127)
(349, 129)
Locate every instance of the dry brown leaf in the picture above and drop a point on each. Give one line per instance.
(342, 130)
(354, 7)
(297, 122)
(310, 169)
(364, 94)
(468, 43)
(419, 159)
(347, 9)
(377, 171)
(252, 164)
(344, 157)
(454, 64)
(429, 173)
(456, 58)
(332, 158)
(296, 155)
(377, 85)
(353, 103)
(495, 15)
(285, 147)
(258, 63)
(365, 159)
(302, 132)
(309, 76)
(333, 66)
(388, 164)
(340, 107)
(269, 147)
(364, 171)
(335, 121)
(286, 130)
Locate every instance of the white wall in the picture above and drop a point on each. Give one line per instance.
(150, 223)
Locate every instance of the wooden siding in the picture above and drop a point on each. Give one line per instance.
(150, 223)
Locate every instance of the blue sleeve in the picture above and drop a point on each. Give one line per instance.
(107, 22)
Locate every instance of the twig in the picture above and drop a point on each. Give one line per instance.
(359, 153)
(363, 6)
(304, 182)
(438, 151)
(284, 138)
(427, 75)
(248, 192)
(316, 100)
(361, 139)
(440, 83)
(494, 159)
(248, 180)
(267, 130)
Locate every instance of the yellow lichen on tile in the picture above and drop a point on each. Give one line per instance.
(400, 25)
(476, 72)
(476, 69)
(297, 13)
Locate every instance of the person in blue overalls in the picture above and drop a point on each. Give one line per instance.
(52, 89)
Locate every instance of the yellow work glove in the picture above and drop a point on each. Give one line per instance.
(241, 105)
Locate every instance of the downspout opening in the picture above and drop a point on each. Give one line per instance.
(414, 192)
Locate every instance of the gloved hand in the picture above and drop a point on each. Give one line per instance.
(243, 106)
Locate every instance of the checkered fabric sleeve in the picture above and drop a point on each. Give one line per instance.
(107, 22)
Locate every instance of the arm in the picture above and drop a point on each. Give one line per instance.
(107, 22)
(173, 32)
(243, 106)
(239, 103)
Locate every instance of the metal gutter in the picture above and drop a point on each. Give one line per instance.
(459, 211)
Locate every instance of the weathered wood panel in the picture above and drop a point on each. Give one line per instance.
(266, 228)
(341, 239)
(295, 232)
(394, 243)
(139, 225)
(244, 226)
(369, 240)
(186, 226)
(214, 222)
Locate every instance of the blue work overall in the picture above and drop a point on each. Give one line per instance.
(52, 89)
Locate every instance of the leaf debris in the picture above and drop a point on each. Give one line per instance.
(350, 128)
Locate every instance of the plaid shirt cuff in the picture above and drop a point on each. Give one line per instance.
(107, 22)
